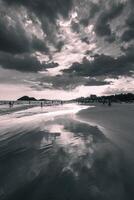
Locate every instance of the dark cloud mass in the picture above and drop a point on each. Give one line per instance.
(102, 26)
(94, 8)
(12, 39)
(66, 81)
(50, 8)
(21, 63)
(55, 36)
(95, 82)
(104, 65)
(130, 20)
(24, 62)
(47, 12)
(128, 35)
(14, 36)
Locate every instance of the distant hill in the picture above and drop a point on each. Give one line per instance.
(26, 98)
(43, 100)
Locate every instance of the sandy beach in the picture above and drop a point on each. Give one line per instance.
(67, 152)
(5, 109)
(117, 124)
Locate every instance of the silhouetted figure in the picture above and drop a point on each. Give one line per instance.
(41, 104)
(10, 104)
(109, 102)
(103, 101)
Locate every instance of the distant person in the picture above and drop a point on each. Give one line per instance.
(41, 104)
(10, 104)
(109, 102)
(103, 101)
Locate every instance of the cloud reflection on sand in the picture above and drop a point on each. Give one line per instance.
(55, 156)
(32, 118)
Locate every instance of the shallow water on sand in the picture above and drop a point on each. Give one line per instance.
(48, 154)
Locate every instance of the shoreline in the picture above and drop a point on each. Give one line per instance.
(17, 108)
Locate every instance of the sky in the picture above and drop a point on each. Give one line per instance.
(64, 49)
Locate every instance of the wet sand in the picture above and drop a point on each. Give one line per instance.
(117, 123)
(50, 153)
(5, 109)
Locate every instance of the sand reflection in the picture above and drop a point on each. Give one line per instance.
(55, 156)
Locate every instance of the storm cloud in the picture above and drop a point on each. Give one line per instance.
(103, 65)
(102, 27)
(49, 8)
(67, 44)
(128, 34)
(14, 37)
(24, 63)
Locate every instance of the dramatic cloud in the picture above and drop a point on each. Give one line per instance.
(13, 39)
(104, 65)
(102, 26)
(49, 8)
(66, 46)
(23, 63)
(14, 35)
(128, 35)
